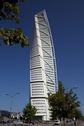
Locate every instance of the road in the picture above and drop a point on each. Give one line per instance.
(79, 123)
(67, 124)
(48, 124)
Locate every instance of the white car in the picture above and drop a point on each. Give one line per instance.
(18, 122)
(57, 122)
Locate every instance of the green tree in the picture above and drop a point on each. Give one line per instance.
(78, 114)
(63, 104)
(56, 102)
(9, 11)
(1, 117)
(72, 104)
(29, 111)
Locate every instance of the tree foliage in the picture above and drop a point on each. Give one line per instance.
(72, 103)
(9, 11)
(78, 114)
(63, 104)
(29, 111)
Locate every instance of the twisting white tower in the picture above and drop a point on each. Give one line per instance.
(43, 71)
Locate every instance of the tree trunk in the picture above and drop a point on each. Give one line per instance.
(74, 123)
(64, 122)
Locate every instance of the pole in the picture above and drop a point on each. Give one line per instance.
(11, 106)
(74, 123)
(11, 96)
(75, 87)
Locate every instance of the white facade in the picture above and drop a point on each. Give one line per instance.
(43, 72)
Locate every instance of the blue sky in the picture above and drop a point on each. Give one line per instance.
(66, 19)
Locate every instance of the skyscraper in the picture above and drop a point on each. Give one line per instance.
(43, 71)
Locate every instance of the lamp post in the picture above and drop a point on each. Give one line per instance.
(12, 96)
(75, 87)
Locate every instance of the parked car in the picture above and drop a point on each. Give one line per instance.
(31, 122)
(68, 120)
(18, 122)
(57, 122)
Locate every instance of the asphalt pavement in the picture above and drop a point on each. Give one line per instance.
(80, 123)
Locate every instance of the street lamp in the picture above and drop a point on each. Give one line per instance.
(75, 87)
(12, 96)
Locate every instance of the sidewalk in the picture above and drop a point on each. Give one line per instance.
(80, 124)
